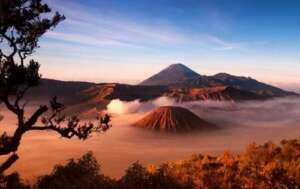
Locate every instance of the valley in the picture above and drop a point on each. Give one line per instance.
(176, 81)
(196, 114)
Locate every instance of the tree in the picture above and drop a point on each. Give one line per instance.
(81, 173)
(13, 181)
(137, 176)
(22, 24)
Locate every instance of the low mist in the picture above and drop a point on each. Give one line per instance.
(241, 124)
(275, 112)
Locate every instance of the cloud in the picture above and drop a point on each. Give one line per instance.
(85, 25)
(216, 43)
(271, 113)
(109, 29)
(87, 39)
(119, 107)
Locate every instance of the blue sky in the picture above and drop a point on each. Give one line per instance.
(127, 41)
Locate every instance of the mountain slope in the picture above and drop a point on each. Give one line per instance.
(178, 75)
(64, 90)
(218, 93)
(247, 83)
(99, 95)
(173, 119)
(175, 73)
(238, 82)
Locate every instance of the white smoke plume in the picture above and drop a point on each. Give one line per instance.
(123, 107)
(273, 112)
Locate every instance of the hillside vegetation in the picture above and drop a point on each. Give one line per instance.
(259, 166)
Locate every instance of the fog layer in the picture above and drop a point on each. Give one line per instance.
(275, 112)
(241, 123)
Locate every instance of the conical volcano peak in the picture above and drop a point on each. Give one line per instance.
(173, 74)
(173, 119)
(178, 66)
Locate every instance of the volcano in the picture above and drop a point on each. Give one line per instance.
(175, 73)
(180, 76)
(173, 119)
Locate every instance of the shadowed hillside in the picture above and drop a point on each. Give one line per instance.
(181, 76)
(97, 97)
(66, 90)
(176, 81)
(239, 82)
(219, 93)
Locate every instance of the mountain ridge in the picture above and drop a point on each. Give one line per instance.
(82, 97)
(221, 79)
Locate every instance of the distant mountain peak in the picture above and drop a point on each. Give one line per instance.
(175, 73)
(179, 75)
(224, 75)
(178, 65)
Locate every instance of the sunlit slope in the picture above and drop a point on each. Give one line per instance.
(173, 119)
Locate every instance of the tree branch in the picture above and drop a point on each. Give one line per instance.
(12, 44)
(22, 25)
(7, 103)
(20, 95)
(35, 116)
(5, 165)
(10, 144)
(71, 129)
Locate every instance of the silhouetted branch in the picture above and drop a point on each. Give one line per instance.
(22, 23)
(33, 119)
(20, 94)
(11, 44)
(11, 160)
(80, 131)
(8, 104)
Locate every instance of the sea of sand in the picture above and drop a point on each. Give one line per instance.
(123, 145)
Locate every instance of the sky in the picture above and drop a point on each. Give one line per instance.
(128, 41)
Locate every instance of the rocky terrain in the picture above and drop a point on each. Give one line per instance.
(97, 97)
(217, 93)
(173, 119)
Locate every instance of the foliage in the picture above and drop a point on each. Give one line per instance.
(137, 176)
(267, 166)
(13, 181)
(22, 24)
(83, 173)
(260, 166)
